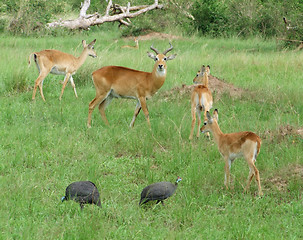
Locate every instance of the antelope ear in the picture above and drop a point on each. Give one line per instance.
(209, 118)
(152, 56)
(92, 43)
(171, 57)
(84, 43)
(216, 115)
(202, 69)
(208, 69)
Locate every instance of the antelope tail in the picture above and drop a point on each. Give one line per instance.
(200, 102)
(30, 58)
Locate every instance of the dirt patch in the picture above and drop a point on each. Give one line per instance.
(281, 180)
(290, 130)
(155, 35)
(282, 132)
(279, 183)
(217, 87)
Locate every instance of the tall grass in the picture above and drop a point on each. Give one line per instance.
(46, 145)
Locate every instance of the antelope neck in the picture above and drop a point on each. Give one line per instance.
(81, 59)
(205, 80)
(217, 133)
(158, 76)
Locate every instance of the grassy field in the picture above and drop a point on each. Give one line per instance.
(45, 145)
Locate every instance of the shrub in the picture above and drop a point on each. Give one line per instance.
(210, 17)
(248, 17)
(31, 17)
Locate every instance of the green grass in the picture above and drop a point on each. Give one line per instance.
(45, 145)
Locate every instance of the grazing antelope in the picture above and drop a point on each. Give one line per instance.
(59, 63)
(135, 47)
(121, 82)
(234, 145)
(201, 99)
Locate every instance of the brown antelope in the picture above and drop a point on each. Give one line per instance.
(201, 99)
(234, 145)
(59, 63)
(121, 82)
(135, 47)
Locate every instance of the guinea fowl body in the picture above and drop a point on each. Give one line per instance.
(158, 191)
(83, 192)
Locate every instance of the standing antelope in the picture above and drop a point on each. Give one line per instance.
(234, 145)
(135, 47)
(121, 82)
(201, 99)
(60, 63)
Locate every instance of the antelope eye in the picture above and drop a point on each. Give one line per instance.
(156, 59)
(205, 123)
(165, 59)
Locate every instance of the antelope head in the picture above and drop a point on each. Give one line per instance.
(200, 74)
(207, 127)
(90, 48)
(161, 59)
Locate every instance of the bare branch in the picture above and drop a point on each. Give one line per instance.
(110, 3)
(85, 21)
(124, 23)
(289, 40)
(84, 6)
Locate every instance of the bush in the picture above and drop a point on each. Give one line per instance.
(171, 18)
(248, 18)
(210, 17)
(31, 17)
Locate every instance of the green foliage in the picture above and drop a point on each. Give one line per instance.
(9, 6)
(31, 17)
(247, 18)
(169, 19)
(210, 16)
(295, 20)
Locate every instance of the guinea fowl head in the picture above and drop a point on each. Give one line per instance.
(178, 179)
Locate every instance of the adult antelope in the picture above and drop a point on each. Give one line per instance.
(201, 99)
(234, 145)
(121, 82)
(134, 47)
(59, 63)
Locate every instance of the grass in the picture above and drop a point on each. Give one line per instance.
(46, 145)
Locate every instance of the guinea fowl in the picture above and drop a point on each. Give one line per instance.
(158, 191)
(83, 192)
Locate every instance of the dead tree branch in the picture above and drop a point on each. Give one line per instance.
(118, 13)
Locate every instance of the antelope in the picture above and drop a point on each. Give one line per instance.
(59, 63)
(234, 145)
(121, 82)
(135, 47)
(201, 99)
